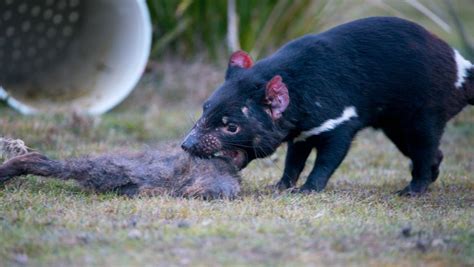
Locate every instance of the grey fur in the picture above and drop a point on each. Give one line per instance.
(168, 170)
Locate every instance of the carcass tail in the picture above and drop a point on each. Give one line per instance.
(94, 174)
(30, 163)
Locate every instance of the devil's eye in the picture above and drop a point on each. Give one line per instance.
(231, 128)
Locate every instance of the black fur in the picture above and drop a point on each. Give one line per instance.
(399, 77)
(469, 87)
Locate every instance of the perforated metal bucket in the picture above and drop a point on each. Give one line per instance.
(85, 55)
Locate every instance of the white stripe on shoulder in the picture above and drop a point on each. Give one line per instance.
(347, 114)
(462, 66)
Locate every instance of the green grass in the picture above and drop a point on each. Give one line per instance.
(356, 221)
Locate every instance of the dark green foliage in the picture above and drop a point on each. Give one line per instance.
(187, 26)
(192, 27)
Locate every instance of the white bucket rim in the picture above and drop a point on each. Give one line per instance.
(127, 87)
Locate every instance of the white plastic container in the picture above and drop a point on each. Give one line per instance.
(82, 55)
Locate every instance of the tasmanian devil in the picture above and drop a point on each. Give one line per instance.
(319, 90)
(168, 170)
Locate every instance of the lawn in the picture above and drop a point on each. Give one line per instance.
(357, 220)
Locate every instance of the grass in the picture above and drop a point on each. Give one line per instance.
(356, 221)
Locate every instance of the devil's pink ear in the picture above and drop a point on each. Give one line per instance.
(240, 59)
(277, 97)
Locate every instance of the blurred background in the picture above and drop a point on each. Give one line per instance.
(188, 27)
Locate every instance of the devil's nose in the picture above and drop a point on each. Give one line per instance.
(189, 143)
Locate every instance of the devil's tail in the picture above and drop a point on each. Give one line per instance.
(469, 86)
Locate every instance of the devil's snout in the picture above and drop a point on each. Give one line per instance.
(189, 142)
(202, 145)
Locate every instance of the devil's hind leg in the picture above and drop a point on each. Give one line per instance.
(422, 173)
(420, 143)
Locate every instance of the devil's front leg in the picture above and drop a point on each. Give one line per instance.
(296, 156)
(332, 149)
